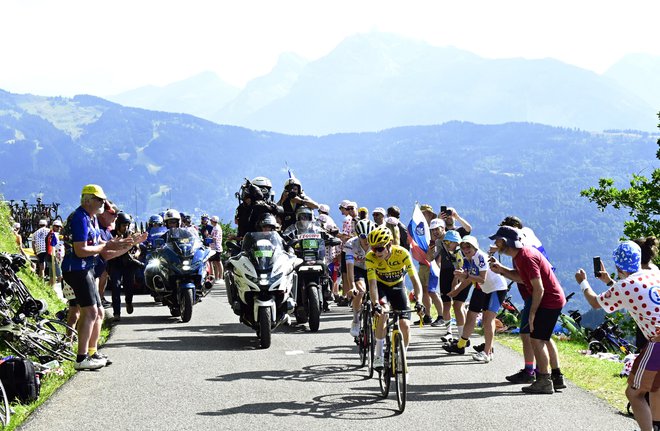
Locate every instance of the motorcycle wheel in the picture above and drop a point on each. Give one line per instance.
(264, 327)
(314, 307)
(186, 304)
(174, 311)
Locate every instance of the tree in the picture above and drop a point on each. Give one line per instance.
(642, 199)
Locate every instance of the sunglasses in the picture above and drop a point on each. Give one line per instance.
(379, 249)
(350, 208)
(363, 236)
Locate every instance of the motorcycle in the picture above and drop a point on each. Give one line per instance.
(175, 272)
(259, 283)
(313, 277)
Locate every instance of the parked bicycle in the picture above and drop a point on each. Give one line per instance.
(609, 337)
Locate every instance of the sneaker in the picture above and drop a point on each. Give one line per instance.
(427, 321)
(558, 381)
(447, 338)
(102, 357)
(481, 347)
(116, 318)
(439, 322)
(483, 357)
(106, 304)
(89, 363)
(378, 363)
(355, 329)
(129, 307)
(453, 348)
(521, 376)
(542, 385)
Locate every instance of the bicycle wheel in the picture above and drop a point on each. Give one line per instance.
(385, 375)
(363, 345)
(5, 411)
(400, 367)
(60, 330)
(371, 346)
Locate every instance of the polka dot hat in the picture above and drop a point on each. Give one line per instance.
(628, 257)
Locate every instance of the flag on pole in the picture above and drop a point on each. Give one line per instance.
(419, 238)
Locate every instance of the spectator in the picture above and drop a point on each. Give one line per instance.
(19, 243)
(216, 244)
(347, 209)
(54, 248)
(39, 246)
(395, 212)
(82, 248)
(649, 247)
(106, 224)
(638, 293)
(424, 271)
(392, 223)
(379, 215)
(205, 229)
(533, 270)
(363, 213)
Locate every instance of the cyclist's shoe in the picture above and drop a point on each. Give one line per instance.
(521, 376)
(479, 347)
(558, 381)
(89, 363)
(378, 363)
(542, 385)
(447, 338)
(355, 329)
(483, 357)
(129, 307)
(439, 322)
(427, 321)
(106, 304)
(101, 357)
(453, 348)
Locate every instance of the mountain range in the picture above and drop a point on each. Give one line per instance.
(375, 81)
(148, 161)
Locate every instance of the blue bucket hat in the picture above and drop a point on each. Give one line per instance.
(452, 236)
(628, 256)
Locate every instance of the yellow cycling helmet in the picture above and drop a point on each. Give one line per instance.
(380, 236)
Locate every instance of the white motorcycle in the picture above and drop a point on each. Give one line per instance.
(260, 281)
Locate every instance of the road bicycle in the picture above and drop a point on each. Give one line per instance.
(609, 337)
(395, 365)
(5, 410)
(365, 340)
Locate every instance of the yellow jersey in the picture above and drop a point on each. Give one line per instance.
(390, 272)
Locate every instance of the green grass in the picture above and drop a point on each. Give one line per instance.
(598, 376)
(51, 382)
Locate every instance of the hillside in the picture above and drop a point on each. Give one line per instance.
(148, 161)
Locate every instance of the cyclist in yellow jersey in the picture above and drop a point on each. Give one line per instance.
(387, 265)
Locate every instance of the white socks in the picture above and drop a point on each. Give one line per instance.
(380, 345)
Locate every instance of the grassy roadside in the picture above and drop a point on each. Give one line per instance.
(52, 381)
(597, 376)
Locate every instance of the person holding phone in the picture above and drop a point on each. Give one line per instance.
(638, 292)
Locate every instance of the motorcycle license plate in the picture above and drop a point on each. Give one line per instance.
(310, 243)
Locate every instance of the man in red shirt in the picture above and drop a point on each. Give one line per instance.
(535, 272)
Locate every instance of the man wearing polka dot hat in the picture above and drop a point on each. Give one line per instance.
(638, 292)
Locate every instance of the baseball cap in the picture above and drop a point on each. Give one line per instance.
(43, 222)
(379, 210)
(323, 208)
(509, 235)
(17, 225)
(452, 236)
(469, 239)
(436, 223)
(215, 219)
(345, 204)
(93, 189)
(363, 210)
(57, 222)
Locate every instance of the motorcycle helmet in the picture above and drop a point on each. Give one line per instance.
(304, 218)
(122, 218)
(364, 227)
(380, 236)
(204, 216)
(268, 220)
(264, 185)
(186, 218)
(172, 215)
(155, 220)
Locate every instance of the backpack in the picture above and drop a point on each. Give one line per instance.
(20, 380)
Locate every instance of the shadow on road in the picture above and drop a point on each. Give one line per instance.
(325, 373)
(351, 406)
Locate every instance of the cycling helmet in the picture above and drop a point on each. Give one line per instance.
(380, 236)
(155, 220)
(364, 227)
(268, 220)
(628, 256)
(123, 218)
(292, 182)
(173, 215)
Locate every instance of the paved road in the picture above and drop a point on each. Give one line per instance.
(210, 374)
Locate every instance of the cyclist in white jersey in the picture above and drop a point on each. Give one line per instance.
(356, 250)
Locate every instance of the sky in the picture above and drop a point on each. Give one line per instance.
(63, 48)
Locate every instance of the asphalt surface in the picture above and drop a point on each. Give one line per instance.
(210, 374)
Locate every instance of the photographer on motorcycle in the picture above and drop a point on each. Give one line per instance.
(257, 201)
(293, 197)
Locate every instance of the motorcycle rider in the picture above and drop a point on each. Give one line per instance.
(155, 231)
(256, 200)
(293, 197)
(172, 220)
(268, 223)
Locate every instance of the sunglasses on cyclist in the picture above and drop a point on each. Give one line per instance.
(379, 249)
(363, 236)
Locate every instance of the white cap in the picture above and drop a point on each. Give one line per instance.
(323, 208)
(392, 220)
(345, 203)
(17, 225)
(43, 222)
(57, 222)
(436, 223)
(470, 240)
(215, 219)
(379, 210)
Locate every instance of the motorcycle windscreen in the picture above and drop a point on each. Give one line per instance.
(183, 241)
(263, 249)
